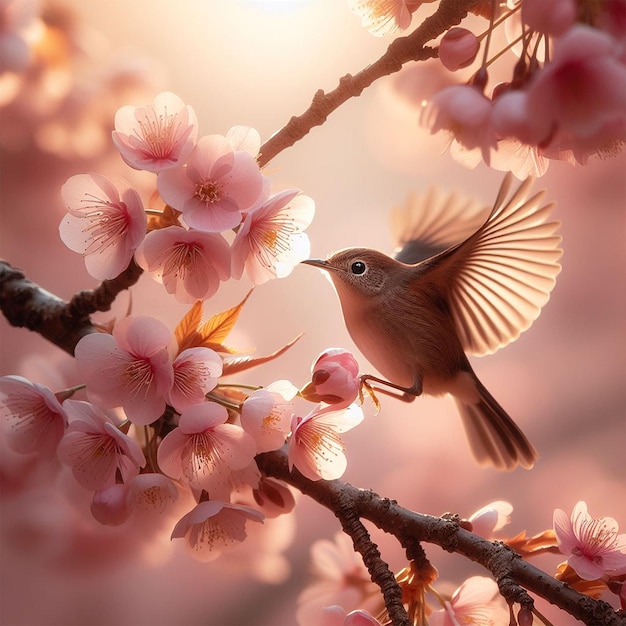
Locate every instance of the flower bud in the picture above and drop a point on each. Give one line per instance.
(334, 378)
(458, 48)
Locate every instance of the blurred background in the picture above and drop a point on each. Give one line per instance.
(257, 63)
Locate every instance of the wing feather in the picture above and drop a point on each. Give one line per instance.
(504, 273)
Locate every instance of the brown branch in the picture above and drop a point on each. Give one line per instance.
(513, 574)
(400, 51)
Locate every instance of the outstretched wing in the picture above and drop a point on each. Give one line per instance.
(501, 276)
(432, 222)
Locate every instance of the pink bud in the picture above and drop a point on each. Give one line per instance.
(110, 506)
(551, 18)
(458, 48)
(525, 617)
(334, 378)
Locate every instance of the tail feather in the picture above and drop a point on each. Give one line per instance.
(494, 437)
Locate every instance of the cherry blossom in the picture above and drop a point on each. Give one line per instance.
(34, 418)
(270, 241)
(476, 601)
(204, 449)
(337, 616)
(491, 518)
(105, 222)
(381, 17)
(156, 137)
(130, 368)
(196, 371)
(594, 547)
(340, 578)
(213, 527)
(244, 138)
(458, 48)
(334, 378)
(578, 98)
(95, 448)
(273, 497)
(189, 263)
(151, 493)
(465, 112)
(215, 187)
(266, 415)
(551, 18)
(315, 447)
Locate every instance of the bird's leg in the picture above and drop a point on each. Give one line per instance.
(408, 393)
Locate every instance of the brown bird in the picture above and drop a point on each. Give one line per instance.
(447, 293)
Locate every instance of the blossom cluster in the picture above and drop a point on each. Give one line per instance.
(210, 185)
(564, 98)
(342, 594)
(181, 428)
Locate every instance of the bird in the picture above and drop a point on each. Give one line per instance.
(455, 287)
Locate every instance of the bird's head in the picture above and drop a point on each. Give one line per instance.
(358, 271)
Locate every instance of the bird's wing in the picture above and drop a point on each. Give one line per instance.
(430, 223)
(501, 276)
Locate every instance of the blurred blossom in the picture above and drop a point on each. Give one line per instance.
(341, 578)
(106, 222)
(189, 263)
(334, 378)
(273, 497)
(551, 18)
(458, 48)
(593, 546)
(213, 527)
(215, 187)
(156, 137)
(381, 17)
(491, 518)
(33, 418)
(196, 371)
(337, 616)
(95, 448)
(270, 241)
(203, 450)
(266, 415)
(18, 19)
(130, 368)
(476, 601)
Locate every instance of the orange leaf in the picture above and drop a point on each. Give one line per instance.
(240, 364)
(216, 329)
(186, 332)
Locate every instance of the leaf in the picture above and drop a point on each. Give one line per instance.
(239, 364)
(192, 333)
(186, 332)
(216, 329)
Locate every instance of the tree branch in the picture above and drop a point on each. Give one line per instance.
(400, 51)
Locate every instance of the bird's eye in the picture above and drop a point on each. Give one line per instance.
(358, 268)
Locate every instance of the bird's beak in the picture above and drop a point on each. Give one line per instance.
(323, 265)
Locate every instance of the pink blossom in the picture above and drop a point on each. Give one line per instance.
(34, 417)
(151, 493)
(315, 447)
(204, 450)
(244, 138)
(458, 48)
(215, 186)
(273, 497)
(551, 18)
(156, 137)
(578, 98)
(189, 263)
(463, 111)
(95, 448)
(266, 415)
(341, 578)
(381, 17)
(130, 368)
(106, 222)
(270, 241)
(337, 616)
(593, 546)
(334, 378)
(196, 371)
(476, 601)
(213, 527)
(109, 506)
(491, 518)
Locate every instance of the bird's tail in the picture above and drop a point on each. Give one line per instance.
(494, 437)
